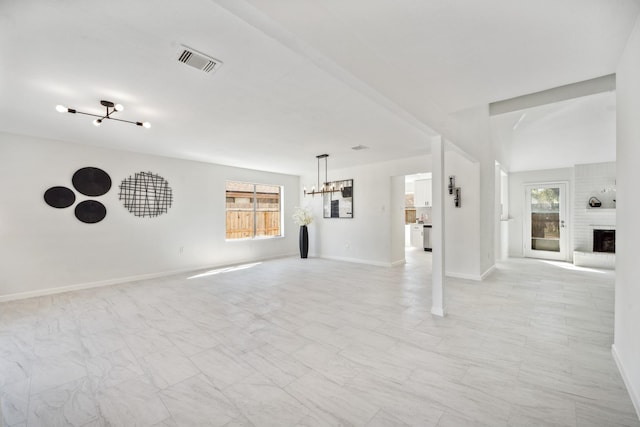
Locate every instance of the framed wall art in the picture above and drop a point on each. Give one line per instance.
(338, 202)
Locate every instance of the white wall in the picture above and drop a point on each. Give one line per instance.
(627, 305)
(517, 209)
(366, 238)
(501, 230)
(487, 205)
(472, 130)
(397, 220)
(462, 225)
(44, 248)
(502, 206)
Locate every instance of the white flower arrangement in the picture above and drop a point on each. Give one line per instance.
(302, 216)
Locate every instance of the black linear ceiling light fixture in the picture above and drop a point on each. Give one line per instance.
(111, 109)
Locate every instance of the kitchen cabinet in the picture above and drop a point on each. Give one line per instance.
(417, 239)
(422, 193)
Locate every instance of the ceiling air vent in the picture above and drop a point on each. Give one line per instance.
(198, 60)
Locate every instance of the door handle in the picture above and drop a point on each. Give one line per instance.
(562, 224)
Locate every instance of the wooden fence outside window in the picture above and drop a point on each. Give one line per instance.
(241, 210)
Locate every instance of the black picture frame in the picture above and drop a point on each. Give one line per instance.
(338, 201)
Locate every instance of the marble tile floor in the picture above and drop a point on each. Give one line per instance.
(313, 342)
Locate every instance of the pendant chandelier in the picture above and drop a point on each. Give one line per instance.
(111, 109)
(326, 186)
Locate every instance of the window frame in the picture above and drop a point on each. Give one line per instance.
(255, 211)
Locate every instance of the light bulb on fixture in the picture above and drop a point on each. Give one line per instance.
(145, 125)
(97, 122)
(118, 107)
(61, 109)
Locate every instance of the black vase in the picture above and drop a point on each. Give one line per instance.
(304, 241)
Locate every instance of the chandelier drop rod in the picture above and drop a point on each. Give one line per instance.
(326, 180)
(325, 173)
(325, 188)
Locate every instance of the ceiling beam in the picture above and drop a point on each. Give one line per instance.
(561, 93)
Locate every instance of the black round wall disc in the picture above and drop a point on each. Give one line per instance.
(59, 197)
(91, 181)
(90, 211)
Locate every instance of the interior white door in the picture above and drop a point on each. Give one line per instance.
(546, 224)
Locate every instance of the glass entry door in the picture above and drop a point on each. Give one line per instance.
(546, 227)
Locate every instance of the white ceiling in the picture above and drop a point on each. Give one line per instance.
(299, 78)
(462, 53)
(559, 135)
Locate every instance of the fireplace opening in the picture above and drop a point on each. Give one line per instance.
(604, 241)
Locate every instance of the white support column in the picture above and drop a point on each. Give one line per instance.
(439, 182)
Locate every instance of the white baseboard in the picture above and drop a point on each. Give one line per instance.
(119, 280)
(439, 311)
(89, 285)
(475, 277)
(398, 262)
(358, 261)
(488, 272)
(635, 398)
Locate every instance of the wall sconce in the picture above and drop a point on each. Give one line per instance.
(456, 199)
(452, 184)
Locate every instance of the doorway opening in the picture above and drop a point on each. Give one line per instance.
(418, 204)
